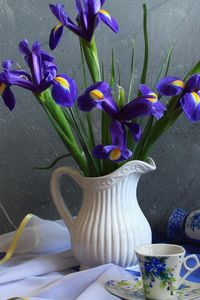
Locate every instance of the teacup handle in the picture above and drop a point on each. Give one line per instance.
(192, 269)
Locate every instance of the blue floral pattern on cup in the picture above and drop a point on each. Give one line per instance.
(156, 268)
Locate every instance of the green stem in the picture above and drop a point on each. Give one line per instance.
(59, 121)
(139, 149)
(91, 56)
(92, 164)
(132, 72)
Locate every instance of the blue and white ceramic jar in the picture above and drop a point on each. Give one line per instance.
(184, 226)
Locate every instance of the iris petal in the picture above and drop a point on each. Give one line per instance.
(59, 12)
(190, 103)
(100, 152)
(170, 86)
(23, 47)
(8, 96)
(145, 90)
(102, 2)
(117, 133)
(126, 153)
(17, 77)
(193, 84)
(136, 130)
(79, 6)
(85, 103)
(64, 90)
(55, 36)
(36, 64)
(142, 107)
(61, 15)
(93, 6)
(7, 64)
(111, 152)
(105, 17)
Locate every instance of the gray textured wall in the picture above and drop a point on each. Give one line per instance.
(27, 139)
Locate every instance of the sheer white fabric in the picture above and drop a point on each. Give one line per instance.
(41, 267)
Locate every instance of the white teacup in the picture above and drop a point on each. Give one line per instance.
(160, 266)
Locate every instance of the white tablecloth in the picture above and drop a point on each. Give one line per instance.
(41, 267)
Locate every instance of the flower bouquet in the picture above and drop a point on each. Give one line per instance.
(129, 126)
(110, 223)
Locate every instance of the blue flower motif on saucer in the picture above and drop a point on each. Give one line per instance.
(132, 289)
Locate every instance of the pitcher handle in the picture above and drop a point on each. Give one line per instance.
(57, 196)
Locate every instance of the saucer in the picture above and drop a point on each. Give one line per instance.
(133, 290)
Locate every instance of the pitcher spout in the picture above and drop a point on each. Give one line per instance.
(151, 164)
(136, 166)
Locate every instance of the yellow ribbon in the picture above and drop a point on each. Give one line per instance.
(13, 245)
(18, 298)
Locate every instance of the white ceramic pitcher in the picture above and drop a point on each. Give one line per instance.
(110, 223)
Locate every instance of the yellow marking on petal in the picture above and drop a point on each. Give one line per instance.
(196, 97)
(96, 95)
(105, 13)
(178, 83)
(63, 82)
(152, 100)
(57, 26)
(2, 88)
(154, 95)
(115, 154)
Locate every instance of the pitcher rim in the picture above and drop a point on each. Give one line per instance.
(149, 162)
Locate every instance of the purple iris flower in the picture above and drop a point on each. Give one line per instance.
(190, 93)
(146, 105)
(90, 12)
(98, 95)
(117, 151)
(42, 75)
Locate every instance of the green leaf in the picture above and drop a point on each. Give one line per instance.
(102, 71)
(194, 70)
(165, 66)
(119, 75)
(121, 96)
(168, 60)
(112, 71)
(160, 127)
(93, 164)
(105, 121)
(139, 149)
(146, 53)
(132, 71)
(83, 65)
(146, 49)
(54, 162)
